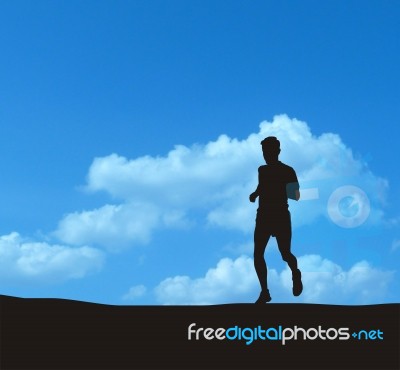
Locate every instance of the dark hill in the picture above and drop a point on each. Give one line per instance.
(63, 334)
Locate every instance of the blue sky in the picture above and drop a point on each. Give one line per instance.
(129, 138)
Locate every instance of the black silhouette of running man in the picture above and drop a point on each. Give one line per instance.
(276, 183)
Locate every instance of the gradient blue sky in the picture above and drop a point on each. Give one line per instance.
(117, 186)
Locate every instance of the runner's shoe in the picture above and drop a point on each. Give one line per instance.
(264, 297)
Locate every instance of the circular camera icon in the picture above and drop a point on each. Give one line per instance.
(348, 206)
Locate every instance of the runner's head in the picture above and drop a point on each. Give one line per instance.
(271, 148)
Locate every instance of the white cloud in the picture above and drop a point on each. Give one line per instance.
(117, 226)
(327, 282)
(111, 225)
(233, 281)
(215, 180)
(230, 278)
(37, 261)
(134, 292)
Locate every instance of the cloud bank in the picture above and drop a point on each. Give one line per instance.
(212, 180)
(233, 281)
(22, 260)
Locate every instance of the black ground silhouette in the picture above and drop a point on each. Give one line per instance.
(64, 334)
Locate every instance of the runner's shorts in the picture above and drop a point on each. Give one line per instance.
(274, 223)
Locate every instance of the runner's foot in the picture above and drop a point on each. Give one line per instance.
(297, 284)
(264, 297)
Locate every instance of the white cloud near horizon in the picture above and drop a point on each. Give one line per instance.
(214, 179)
(235, 281)
(228, 280)
(326, 281)
(135, 292)
(23, 260)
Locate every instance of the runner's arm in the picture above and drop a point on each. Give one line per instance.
(253, 196)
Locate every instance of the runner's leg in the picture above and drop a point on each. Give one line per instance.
(261, 237)
(284, 238)
(284, 242)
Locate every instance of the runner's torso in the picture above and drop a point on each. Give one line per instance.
(273, 180)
